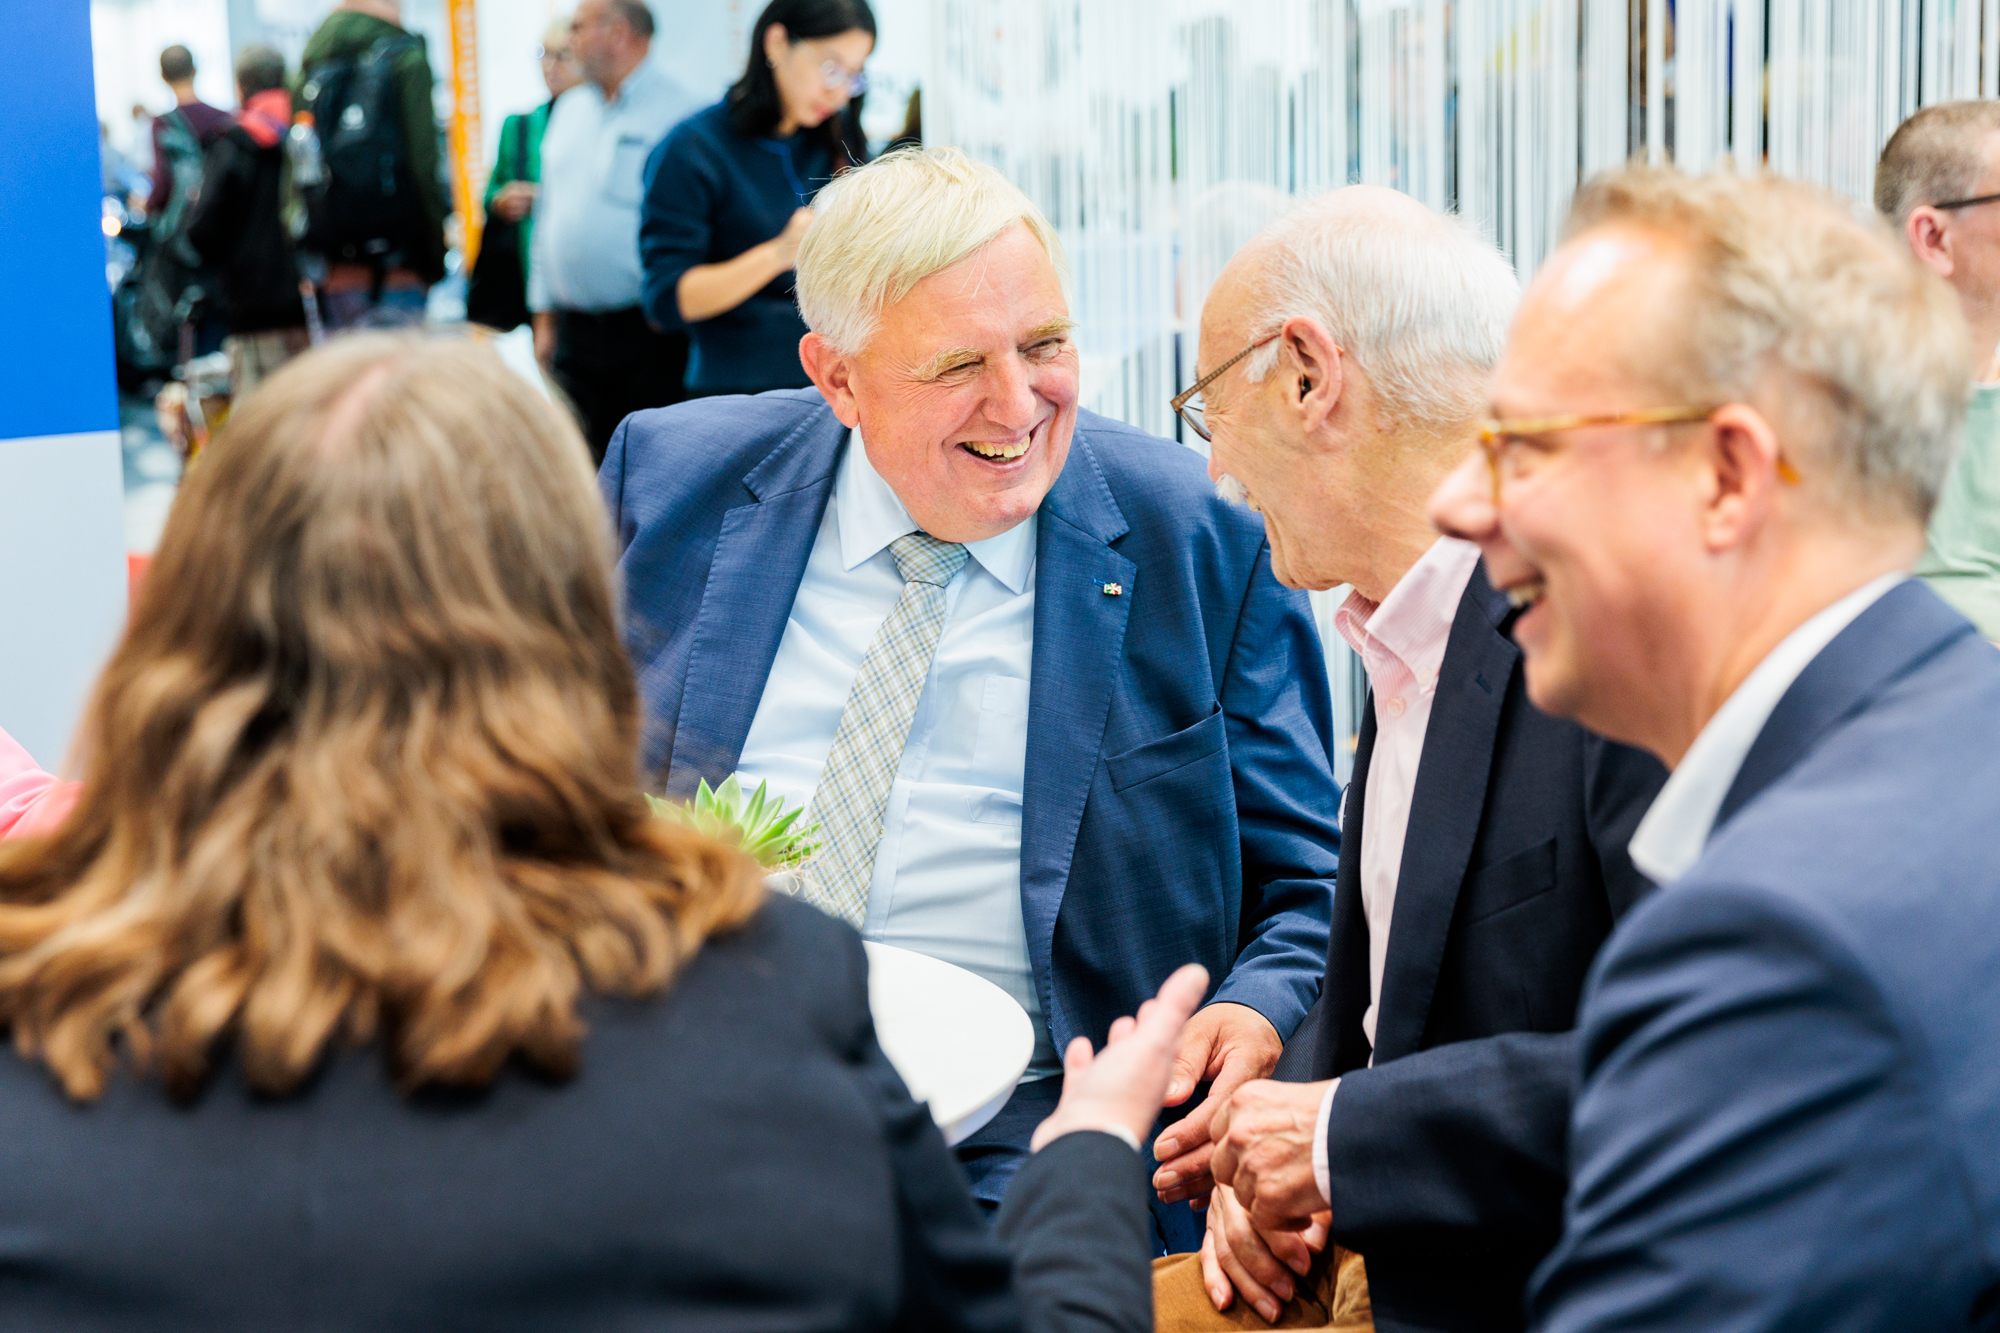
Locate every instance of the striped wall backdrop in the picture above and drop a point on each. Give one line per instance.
(1159, 134)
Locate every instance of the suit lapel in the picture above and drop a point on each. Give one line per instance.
(1079, 642)
(1446, 812)
(1905, 626)
(1345, 989)
(753, 578)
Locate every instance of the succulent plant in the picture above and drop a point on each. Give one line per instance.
(761, 826)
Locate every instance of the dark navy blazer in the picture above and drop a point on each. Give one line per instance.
(1179, 799)
(1790, 1110)
(1447, 1155)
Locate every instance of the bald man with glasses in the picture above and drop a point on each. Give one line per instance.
(1418, 1115)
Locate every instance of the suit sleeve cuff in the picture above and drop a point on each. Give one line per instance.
(1321, 1175)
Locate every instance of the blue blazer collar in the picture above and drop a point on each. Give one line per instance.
(753, 578)
(1906, 627)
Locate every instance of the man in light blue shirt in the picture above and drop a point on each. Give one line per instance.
(584, 276)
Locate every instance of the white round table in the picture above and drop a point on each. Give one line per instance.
(958, 1040)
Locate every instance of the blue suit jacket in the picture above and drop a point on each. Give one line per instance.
(1179, 800)
(1790, 1113)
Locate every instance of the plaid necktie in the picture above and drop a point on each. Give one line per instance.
(854, 790)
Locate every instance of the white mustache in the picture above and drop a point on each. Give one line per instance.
(1234, 492)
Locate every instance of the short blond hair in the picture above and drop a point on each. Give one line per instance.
(1791, 278)
(881, 229)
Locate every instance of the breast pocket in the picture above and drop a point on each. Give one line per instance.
(1509, 882)
(628, 166)
(1000, 750)
(1143, 763)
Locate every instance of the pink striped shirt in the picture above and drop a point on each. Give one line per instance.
(31, 802)
(1401, 644)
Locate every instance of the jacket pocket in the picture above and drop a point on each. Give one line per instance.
(1143, 763)
(1510, 881)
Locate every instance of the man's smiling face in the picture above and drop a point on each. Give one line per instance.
(1598, 540)
(966, 393)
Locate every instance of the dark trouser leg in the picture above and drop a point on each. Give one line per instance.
(996, 1152)
(613, 363)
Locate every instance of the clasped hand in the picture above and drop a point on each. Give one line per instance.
(1268, 1218)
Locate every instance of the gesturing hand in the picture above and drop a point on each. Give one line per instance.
(1119, 1090)
(1264, 1152)
(1228, 1044)
(1237, 1259)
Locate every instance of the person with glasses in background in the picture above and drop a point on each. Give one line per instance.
(584, 277)
(728, 195)
(1938, 183)
(494, 299)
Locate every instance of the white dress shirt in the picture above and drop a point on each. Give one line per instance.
(948, 869)
(586, 241)
(1401, 644)
(1671, 837)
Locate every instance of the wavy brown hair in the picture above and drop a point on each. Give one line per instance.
(365, 762)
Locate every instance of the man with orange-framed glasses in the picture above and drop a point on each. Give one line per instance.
(1419, 1114)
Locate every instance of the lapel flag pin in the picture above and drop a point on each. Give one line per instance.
(1114, 590)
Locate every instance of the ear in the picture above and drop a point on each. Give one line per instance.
(776, 39)
(832, 373)
(1744, 460)
(1314, 380)
(1930, 239)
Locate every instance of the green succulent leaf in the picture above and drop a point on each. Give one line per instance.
(763, 825)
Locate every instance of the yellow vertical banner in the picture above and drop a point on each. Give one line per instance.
(468, 148)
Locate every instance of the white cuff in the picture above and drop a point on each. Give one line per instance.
(1321, 1176)
(1120, 1132)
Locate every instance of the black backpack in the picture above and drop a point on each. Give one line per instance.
(360, 195)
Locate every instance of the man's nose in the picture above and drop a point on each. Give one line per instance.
(1462, 505)
(1010, 399)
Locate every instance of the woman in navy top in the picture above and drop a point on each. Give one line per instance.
(727, 194)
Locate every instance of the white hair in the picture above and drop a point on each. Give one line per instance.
(879, 230)
(1418, 300)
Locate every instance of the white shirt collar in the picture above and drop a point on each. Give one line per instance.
(1671, 837)
(871, 516)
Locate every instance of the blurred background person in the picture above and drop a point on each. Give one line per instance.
(584, 278)
(378, 235)
(1938, 182)
(497, 294)
(239, 230)
(180, 136)
(354, 898)
(727, 194)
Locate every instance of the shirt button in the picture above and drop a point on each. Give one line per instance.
(1396, 705)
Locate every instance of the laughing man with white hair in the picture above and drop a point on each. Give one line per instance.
(1345, 354)
(1057, 721)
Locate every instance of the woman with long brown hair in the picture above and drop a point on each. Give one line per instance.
(375, 997)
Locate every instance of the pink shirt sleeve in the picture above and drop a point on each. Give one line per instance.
(31, 802)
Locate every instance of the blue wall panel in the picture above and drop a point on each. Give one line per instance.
(55, 316)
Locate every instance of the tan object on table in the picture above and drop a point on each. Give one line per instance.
(1333, 1297)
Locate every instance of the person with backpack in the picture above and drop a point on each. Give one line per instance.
(238, 225)
(181, 135)
(365, 163)
(163, 310)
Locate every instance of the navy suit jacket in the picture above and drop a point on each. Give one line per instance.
(735, 1154)
(1447, 1156)
(1179, 796)
(1790, 1110)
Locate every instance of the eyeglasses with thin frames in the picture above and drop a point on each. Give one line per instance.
(1967, 203)
(1185, 403)
(1507, 442)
